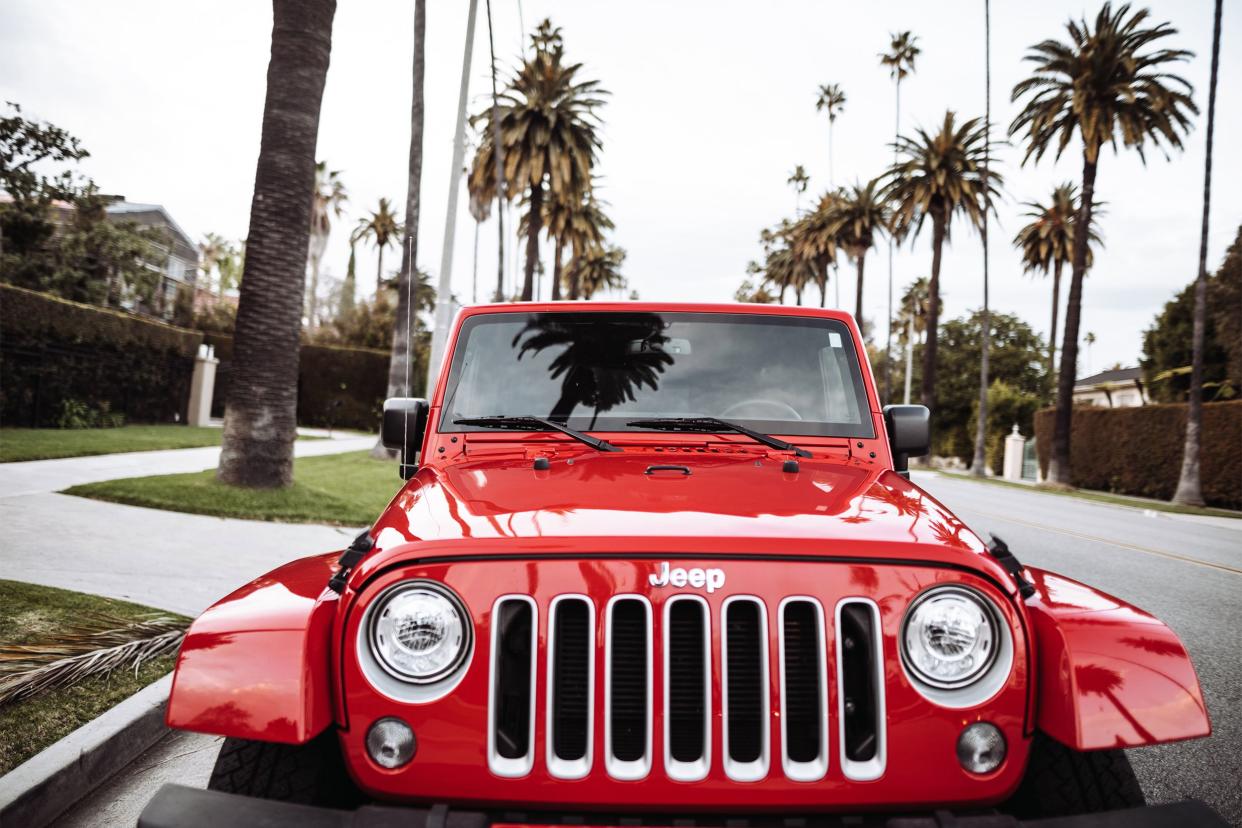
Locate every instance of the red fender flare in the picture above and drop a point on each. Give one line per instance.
(256, 665)
(1109, 674)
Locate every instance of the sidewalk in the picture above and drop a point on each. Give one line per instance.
(44, 476)
(170, 560)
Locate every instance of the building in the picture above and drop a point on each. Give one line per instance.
(176, 261)
(1115, 388)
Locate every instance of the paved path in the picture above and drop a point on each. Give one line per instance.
(1185, 570)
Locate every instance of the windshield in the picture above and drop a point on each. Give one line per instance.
(595, 371)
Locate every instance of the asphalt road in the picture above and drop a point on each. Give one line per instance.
(1186, 571)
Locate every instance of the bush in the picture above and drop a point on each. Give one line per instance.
(1138, 451)
(118, 366)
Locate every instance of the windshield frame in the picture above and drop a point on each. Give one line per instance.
(859, 372)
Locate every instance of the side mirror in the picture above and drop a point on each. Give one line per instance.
(405, 422)
(909, 434)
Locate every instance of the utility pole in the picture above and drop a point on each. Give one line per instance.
(444, 291)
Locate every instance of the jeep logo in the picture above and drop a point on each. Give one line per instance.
(711, 579)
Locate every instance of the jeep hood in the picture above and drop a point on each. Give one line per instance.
(741, 502)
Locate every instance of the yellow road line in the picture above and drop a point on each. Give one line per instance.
(1134, 547)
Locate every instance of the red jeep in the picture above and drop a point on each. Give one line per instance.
(659, 564)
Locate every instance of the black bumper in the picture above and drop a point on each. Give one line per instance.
(176, 806)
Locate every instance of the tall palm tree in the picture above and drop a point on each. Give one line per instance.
(498, 182)
(978, 466)
(860, 214)
(912, 317)
(813, 239)
(548, 134)
(599, 268)
(1189, 490)
(480, 211)
(937, 177)
(1109, 81)
(383, 228)
(328, 202)
(831, 98)
(577, 222)
(902, 52)
(798, 179)
(405, 320)
(260, 420)
(1047, 243)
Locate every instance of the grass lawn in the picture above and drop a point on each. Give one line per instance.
(348, 489)
(1102, 497)
(18, 444)
(28, 613)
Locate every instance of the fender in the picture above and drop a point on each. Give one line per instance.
(1111, 675)
(255, 665)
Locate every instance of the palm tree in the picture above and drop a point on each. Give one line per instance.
(349, 286)
(498, 182)
(831, 98)
(978, 466)
(813, 239)
(599, 268)
(405, 320)
(1108, 81)
(912, 319)
(384, 229)
(1089, 340)
(902, 51)
(587, 224)
(938, 176)
(1047, 243)
(480, 211)
(1189, 491)
(859, 215)
(798, 179)
(328, 202)
(577, 222)
(548, 134)
(260, 420)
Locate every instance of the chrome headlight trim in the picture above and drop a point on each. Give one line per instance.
(982, 684)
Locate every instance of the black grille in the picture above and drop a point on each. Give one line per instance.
(570, 679)
(513, 666)
(803, 717)
(858, 677)
(686, 667)
(743, 633)
(629, 680)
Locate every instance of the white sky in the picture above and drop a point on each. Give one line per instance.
(712, 106)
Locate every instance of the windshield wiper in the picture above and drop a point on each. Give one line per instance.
(527, 422)
(703, 424)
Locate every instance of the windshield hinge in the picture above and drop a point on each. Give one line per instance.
(349, 559)
(1000, 551)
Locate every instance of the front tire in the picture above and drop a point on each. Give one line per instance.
(1061, 781)
(309, 774)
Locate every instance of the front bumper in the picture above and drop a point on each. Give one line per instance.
(176, 806)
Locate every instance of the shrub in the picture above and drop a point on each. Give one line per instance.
(1138, 451)
(114, 364)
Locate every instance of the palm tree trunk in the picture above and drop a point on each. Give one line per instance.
(260, 421)
(933, 311)
(532, 240)
(858, 293)
(498, 152)
(823, 288)
(1056, 306)
(1059, 466)
(400, 383)
(1189, 489)
(905, 398)
(379, 271)
(556, 271)
(318, 242)
(978, 466)
(474, 271)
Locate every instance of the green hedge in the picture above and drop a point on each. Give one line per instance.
(337, 387)
(1138, 451)
(54, 352)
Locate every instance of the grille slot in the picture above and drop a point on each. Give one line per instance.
(746, 703)
(687, 689)
(804, 721)
(628, 705)
(860, 676)
(570, 691)
(510, 739)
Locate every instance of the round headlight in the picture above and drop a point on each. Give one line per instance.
(419, 632)
(949, 637)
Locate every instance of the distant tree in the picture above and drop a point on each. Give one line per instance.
(383, 228)
(328, 202)
(349, 287)
(1168, 343)
(260, 421)
(748, 291)
(798, 179)
(598, 269)
(830, 99)
(815, 239)
(857, 218)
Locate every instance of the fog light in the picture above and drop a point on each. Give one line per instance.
(981, 748)
(390, 743)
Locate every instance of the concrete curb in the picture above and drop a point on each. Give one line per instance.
(49, 783)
